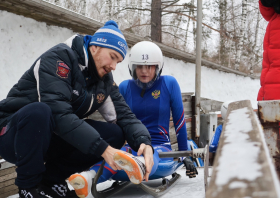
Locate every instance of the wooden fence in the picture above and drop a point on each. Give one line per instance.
(7, 179)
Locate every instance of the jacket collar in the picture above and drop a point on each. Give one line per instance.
(76, 43)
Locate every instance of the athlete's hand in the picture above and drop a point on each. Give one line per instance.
(108, 156)
(190, 168)
(147, 152)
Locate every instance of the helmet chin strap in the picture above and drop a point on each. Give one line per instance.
(143, 90)
(147, 85)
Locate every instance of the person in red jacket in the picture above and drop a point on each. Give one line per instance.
(270, 76)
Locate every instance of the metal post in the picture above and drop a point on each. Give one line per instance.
(198, 66)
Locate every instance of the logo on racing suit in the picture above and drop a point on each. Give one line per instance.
(100, 97)
(156, 94)
(62, 69)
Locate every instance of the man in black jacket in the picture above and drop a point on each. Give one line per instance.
(43, 129)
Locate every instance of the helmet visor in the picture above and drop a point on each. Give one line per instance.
(146, 66)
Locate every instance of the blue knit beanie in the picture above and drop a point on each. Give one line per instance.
(110, 36)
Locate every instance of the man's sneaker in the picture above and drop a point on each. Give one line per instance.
(134, 166)
(56, 190)
(32, 193)
(82, 183)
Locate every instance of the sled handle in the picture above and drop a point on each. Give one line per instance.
(196, 153)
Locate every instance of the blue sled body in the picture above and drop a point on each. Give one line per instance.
(165, 167)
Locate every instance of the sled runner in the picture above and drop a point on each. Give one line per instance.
(167, 184)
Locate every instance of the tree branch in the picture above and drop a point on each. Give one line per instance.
(184, 5)
(169, 11)
(173, 12)
(129, 8)
(175, 27)
(136, 26)
(173, 35)
(170, 4)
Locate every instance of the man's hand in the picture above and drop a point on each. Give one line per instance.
(190, 168)
(147, 151)
(108, 155)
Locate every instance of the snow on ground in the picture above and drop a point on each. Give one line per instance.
(23, 40)
(191, 188)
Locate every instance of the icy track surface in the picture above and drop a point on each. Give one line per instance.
(191, 188)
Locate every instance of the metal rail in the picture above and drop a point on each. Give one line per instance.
(198, 68)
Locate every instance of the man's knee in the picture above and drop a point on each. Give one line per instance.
(36, 110)
(36, 114)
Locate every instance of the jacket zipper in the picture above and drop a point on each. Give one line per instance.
(92, 98)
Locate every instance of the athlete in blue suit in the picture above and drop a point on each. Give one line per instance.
(153, 109)
(151, 97)
(215, 139)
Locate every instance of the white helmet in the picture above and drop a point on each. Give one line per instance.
(224, 109)
(145, 53)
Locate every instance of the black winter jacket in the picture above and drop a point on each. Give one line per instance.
(60, 78)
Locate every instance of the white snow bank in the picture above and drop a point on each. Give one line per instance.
(23, 40)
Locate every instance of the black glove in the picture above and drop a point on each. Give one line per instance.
(190, 168)
(268, 3)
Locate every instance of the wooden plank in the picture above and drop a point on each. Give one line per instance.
(174, 147)
(6, 194)
(8, 177)
(7, 183)
(7, 171)
(187, 96)
(172, 133)
(8, 189)
(4, 164)
(209, 105)
(187, 106)
(242, 166)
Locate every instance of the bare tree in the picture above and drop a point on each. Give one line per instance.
(173, 22)
(156, 21)
(241, 34)
(194, 26)
(222, 20)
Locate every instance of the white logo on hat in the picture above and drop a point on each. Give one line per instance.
(101, 40)
(122, 45)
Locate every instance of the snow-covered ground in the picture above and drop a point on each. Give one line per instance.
(23, 40)
(191, 188)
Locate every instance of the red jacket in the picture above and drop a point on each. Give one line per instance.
(270, 76)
